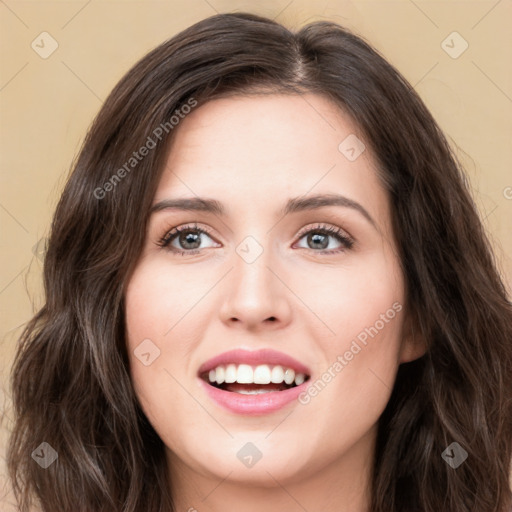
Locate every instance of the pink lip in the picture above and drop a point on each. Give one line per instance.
(253, 358)
(253, 405)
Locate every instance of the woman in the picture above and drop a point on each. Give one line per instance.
(336, 337)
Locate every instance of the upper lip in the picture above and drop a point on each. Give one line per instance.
(254, 358)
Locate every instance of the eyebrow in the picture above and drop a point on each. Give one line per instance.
(293, 205)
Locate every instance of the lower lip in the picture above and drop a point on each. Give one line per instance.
(253, 405)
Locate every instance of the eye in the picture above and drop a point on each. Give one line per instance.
(318, 236)
(187, 237)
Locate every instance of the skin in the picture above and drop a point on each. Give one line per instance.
(253, 154)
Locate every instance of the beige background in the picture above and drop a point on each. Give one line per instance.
(47, 105)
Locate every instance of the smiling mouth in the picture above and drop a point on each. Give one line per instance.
(247, 380)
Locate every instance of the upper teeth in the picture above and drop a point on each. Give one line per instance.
(262, 374)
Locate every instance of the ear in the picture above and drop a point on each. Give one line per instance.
(413, 344)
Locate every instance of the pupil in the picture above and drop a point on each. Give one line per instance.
(190, 238)
(315, 239)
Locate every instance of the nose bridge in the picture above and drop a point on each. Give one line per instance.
(252, 261)
(254, 293)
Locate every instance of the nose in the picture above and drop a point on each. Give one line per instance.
(256, 295)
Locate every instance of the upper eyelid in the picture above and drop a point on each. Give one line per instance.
(194, 226)
(323, 226)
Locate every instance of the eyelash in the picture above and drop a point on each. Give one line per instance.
(346, 241)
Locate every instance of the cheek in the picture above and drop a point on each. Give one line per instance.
(163, 325)
(362, 305)
(350, 391)
(160, 296)
(150, 308)
(352, 296)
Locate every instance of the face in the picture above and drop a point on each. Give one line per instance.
(299, 271)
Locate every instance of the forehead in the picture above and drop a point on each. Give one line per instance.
(263, 149)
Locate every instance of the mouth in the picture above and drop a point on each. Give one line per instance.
(253, 383)
(247, 379)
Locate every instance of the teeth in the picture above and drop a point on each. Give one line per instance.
(230, 374)
(220, 375)
(254, 391)
(244, 374)
(261, 374)
(277, 375)
(299, 378)
(289, 376)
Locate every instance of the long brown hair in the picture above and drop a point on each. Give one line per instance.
(70, 381)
